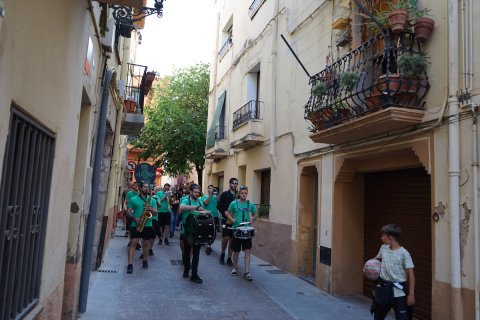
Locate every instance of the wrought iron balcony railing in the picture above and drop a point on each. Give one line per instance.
(387, 70)
(135, 87)
(254, 7)
(251, 110)
(225, 47)
(263, 210)
(220, 132)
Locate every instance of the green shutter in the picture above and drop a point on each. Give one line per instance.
(216, 116)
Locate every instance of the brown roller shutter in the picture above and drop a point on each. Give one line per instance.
(265, 187)
(402, 197)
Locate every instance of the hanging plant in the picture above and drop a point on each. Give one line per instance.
(423, 26)
(349, 80)
(412, 65)
(319, 89)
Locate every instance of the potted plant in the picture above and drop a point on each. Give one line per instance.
(349, 80)
(130, 105)
(381, 17)
(398, 16)
(422, 26)
(320, 89)
(412, 67)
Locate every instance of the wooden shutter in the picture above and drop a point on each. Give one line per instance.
(265, 187)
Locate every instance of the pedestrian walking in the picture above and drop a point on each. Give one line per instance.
(188, 206)
(137, 206)
(164, 215)
(240, 213)
(395, 287)
(223, 202)
(210, 201)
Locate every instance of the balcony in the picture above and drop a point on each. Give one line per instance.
(254, 7)
(220, 150)
(225, 47)
(377, 88)
(129, 3)
(135, 91)
(248, 124)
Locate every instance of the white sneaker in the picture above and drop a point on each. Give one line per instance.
(247, 276)
(234, 272)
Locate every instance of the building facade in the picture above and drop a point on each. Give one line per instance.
(62, 65)
(350, 137)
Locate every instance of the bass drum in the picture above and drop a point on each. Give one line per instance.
(200, 229)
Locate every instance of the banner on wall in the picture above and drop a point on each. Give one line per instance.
(145, 172)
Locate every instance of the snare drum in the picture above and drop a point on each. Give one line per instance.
(243, 232)
(200, 229)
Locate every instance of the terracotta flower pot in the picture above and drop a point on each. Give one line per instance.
(423, 28)
(130, 105)
(391, 84)
(397, 20)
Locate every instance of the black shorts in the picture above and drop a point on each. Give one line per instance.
(226, 228)
(241, 244)
(164, 218)
(146, 234)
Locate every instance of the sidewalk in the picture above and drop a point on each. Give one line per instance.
(161, 293)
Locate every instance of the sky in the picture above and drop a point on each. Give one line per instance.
(182, 37)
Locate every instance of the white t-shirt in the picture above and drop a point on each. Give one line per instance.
(394, 265)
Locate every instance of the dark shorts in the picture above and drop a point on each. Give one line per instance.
(226, 231)
(146, 234)
(164, 218)
(241, 244)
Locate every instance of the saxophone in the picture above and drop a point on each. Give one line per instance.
(144, 217)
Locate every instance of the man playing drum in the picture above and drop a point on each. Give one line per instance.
(239, 212)
(188, 206)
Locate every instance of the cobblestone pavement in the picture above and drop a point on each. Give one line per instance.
(160, 292)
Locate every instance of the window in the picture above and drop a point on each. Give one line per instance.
(264, 206)
(226, 38)
(253, 91)
(254, 7)
(24, 195)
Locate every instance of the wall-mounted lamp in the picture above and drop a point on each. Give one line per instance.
(125, 16)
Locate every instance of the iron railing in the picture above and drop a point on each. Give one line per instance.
(135, 87)
(377, 83)
(220, 132)
(225, 47)
(254, 7)
(251, 110)
(24, 197)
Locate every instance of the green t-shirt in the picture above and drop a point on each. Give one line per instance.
(241, 211)
(189, 202)
(137, 204)
(164, 206)
(212, 205)
(131, 194)
(155, 217)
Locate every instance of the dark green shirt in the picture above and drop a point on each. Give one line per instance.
(138, 204)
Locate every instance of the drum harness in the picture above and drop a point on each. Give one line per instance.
(243, 209)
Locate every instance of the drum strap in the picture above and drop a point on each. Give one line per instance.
(243, 209)
(190, 202)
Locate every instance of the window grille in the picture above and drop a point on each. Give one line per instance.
(254, 7)
(24, 196)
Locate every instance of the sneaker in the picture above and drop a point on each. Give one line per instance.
(145, 264)
(222, 258)
(166, 242)
(126, 236)
(141, 257)
(196, 279)
(208, 250)
(160, 241)
(234, 272)
(138, 247)
(247, 276)
(129, 268)
(150, 252)
(185, 274)
(230, 262)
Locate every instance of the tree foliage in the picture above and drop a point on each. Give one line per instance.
(176, 128)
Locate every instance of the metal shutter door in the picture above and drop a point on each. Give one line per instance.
(402, 197)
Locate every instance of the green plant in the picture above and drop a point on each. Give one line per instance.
(349, 79)
(264, 210)
(319, 89)
(418, 13)
(411, 65)
(401, 5)
(381, 17)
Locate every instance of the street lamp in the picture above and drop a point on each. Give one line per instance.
(125, 16)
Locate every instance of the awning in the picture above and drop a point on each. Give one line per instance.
(216, 116)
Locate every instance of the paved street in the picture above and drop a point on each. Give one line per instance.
(161, 293)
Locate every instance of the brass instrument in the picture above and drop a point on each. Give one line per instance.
(147, 214)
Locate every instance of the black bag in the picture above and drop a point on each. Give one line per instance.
(382, 295)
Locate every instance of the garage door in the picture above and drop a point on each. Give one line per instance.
(402, 197)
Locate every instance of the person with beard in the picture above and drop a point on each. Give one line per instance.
(188, 206)
(135, 208)
(223, 202)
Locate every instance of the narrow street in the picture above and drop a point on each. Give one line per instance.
(161, 293)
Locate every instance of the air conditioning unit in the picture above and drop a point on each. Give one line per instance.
(121, 88)
(108, 41)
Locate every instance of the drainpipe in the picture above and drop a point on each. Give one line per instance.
(454, 161)
(475, 202)
(90, 231)
(273, 107)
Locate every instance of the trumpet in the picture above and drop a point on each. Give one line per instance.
(146, 214)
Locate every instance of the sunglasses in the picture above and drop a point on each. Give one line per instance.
(243, 188)
(234, 182)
